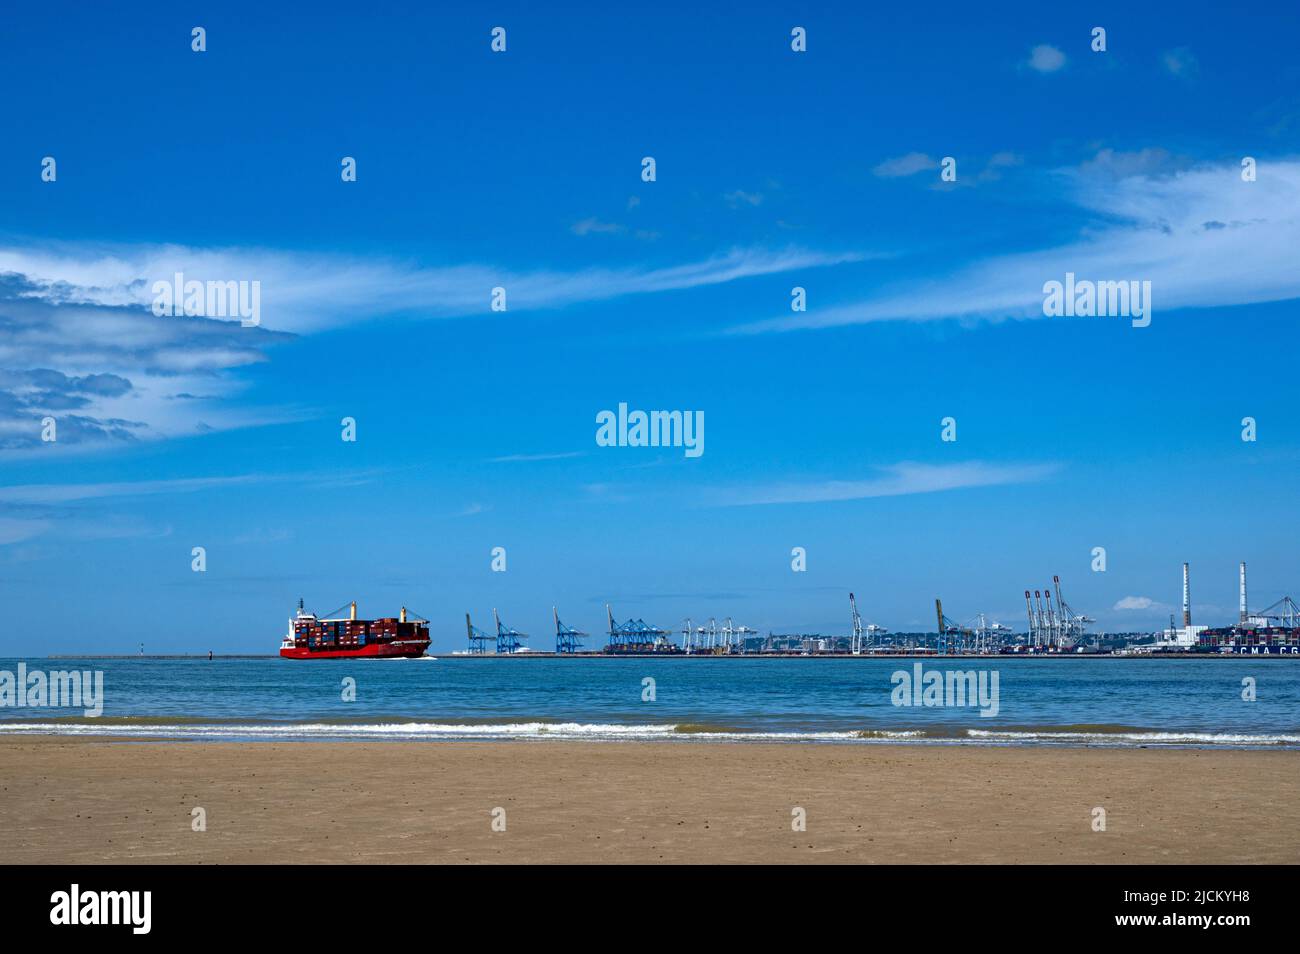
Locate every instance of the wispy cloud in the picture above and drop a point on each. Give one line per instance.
(1118, 164)
(80, 341)
(302, 291)
(1045, 58)
(49, 494)
(263, 536)
(739, 197)
(908, 165)
(893, 481)
(593, 225)
(67, 493)
(1152, 226)
(88, 511)
(527, 458)
(1180, 62)
(991, 171)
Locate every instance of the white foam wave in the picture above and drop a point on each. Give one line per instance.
(418, 730)
(414, 731)
(1133, 738)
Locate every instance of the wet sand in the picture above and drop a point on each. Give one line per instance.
(94, 801)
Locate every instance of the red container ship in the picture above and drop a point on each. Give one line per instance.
(352, 638)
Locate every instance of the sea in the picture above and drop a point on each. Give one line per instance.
(991, 701)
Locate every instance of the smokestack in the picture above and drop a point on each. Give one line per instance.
(1187, 598)
(1243, 592)
(352, 613)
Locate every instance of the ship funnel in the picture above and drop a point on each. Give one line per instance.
(1243, 592)
(1187, 597)
(403, 617)
(352, 613)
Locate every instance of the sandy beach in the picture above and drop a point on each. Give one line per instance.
(82, 801)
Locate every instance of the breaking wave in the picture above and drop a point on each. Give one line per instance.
(197, 729)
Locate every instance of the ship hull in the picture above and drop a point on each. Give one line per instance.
(1251, 650)
(403, 649)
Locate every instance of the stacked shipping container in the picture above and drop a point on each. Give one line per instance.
(353, 633)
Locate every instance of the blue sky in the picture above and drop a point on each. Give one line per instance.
(775, 169)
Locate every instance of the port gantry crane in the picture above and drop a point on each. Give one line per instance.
(855, 645)
(733, 636)
(953, 637)
(1073, 623)
(478, 640)
(1044, 623)
(508, 640)
(1287, 615)
(741, 633)
(989, 636)
(1056, 628)
(567, 639)
(714, 640)
(634, 635)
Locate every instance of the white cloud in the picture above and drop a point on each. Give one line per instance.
(304, 291)
(894, 481)
(1201, 236)
(53, 494)
(739, 197)
(528, 458)
(1046, 59)
(82, 312)
(908, 165)
(594, 225)
(1121, 165)
(1140, 603)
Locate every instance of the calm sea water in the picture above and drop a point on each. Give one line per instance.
(1043, 702)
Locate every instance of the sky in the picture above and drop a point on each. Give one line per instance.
(774, 169)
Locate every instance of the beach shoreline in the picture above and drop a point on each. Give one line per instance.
(82, 800)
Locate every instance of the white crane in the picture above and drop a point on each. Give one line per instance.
(855, 646)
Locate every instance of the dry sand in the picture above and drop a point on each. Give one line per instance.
(83, 801)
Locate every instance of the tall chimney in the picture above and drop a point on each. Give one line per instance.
(352, 614)
(1243, 592)
(1187, 598)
